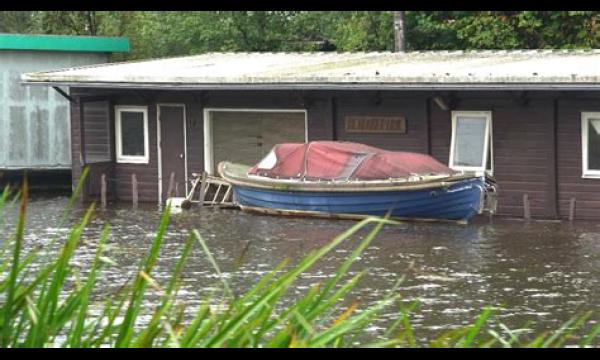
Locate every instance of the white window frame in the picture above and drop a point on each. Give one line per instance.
(209, 165)
(487, 145)
(586, 173)
(131, 159)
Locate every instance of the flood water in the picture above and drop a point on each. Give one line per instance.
(543, 272)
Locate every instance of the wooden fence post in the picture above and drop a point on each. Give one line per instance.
(171, 185)
(202, 188)
(103, 191)
(134, 190)
(572, 204)
(526, 207)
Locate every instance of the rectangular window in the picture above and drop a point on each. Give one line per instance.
(590, 140)
(131, 124)
(471, 143)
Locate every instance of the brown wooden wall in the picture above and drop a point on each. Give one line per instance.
(319, 123)
(520, 147)
(536, 141)
(570, 182)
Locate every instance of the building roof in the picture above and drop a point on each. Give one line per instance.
(63, 43)
(537, 69)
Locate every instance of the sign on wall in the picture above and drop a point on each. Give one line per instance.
(375, 124)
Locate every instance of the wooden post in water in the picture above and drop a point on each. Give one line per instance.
(572, 209)
(134, 190)
(202, 188)
(103, 191)
(171, 185)
(526, 207)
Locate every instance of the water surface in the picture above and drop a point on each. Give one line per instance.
(542, 272)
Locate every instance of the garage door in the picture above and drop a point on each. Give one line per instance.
(246, 137)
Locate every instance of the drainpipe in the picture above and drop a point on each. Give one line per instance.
(399, 32)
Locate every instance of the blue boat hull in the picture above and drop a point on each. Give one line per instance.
(460, 201)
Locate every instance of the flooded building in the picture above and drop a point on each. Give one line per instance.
(529, 118)
(34, 121)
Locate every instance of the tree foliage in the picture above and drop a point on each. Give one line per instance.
(15, 21)
(172, 33)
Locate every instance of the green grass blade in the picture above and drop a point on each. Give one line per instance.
(500, 339)
(262, 283)
(561, 335)
(107, 331)
(65, 215)
(404, 320)
(283, 337)
(3, 198)
(76, 334)
(343, 269)
(12, 278)
(49, 298)
(139, 286)
(382, 344)
(351, 324)
(476, 328)
(590, 337)
(212, 261)
(277, 288)
(408, 332)
(194, 326)
(146, 337)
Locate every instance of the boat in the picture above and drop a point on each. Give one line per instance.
(346, 180)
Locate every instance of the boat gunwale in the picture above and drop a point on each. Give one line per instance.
(338, 186)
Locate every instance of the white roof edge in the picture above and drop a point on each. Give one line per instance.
(331, 86)
(430, 68)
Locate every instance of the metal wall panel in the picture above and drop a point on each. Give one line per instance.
(34, 120)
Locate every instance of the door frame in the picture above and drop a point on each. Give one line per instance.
(207, 122)
(159, 146)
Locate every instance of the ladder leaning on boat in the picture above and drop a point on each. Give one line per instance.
(206, 190)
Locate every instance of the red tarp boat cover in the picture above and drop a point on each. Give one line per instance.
(335, 160)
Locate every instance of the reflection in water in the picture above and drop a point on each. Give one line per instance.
(541, 272)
